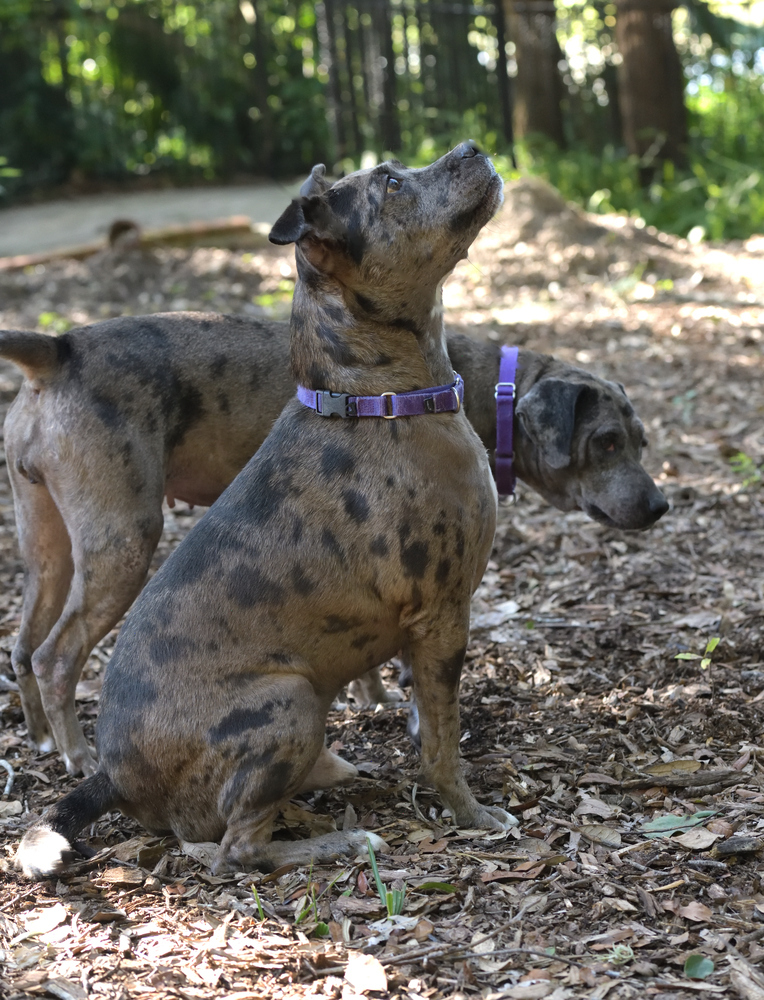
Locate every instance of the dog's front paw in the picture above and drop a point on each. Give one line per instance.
(44, 744)
(490, 818)
(369, 691)
(43, 853)
(82, 762)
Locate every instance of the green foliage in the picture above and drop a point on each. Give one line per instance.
(199, 88)
(749, 472)
(53, 322)
(722, 196)
(665, 826)
(436, 887)
(205, 89)
(698, 966)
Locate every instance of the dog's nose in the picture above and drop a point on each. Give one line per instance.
(467, 149)
(658, 506)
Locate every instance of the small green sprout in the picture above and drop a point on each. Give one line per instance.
(620, 954)
(391, 898)
(259, 905)
(746, 468)
(308, 906)
(705, 659)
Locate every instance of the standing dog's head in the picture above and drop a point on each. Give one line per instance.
(579, 444)
(390, 234)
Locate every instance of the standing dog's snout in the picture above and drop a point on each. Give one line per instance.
(658, 505)
(468, 149)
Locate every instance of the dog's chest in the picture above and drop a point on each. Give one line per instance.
(413, 498)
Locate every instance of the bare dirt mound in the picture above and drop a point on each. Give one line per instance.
(637, 777)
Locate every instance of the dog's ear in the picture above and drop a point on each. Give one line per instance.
(305, 214)
(548, 415)
(316, 183)
(290, 226)
(310, 221)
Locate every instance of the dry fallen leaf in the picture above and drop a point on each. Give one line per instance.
(595, 778)
(526, 870)
(529, 991)
(698, 839)
(695, 911)
(721, 826)
(662, 770)
(204, 853)
(436, 848)
(64, 989)
(365, 973)
(483, 950)
(423, 929)
(598, 833)
(146, 849)
(595, 807)
(42, 921)
(748, 981)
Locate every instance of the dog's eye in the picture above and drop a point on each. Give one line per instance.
(609, 443)
(393, 185)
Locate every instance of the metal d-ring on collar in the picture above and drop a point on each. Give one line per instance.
(505, 416)
(389, 405)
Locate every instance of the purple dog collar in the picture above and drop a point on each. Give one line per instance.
(441, 399)
(505, 416)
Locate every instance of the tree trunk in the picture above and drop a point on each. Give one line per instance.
(505, 90)
(650, 84)
(538, 86)
(327, 35)
(388, 112)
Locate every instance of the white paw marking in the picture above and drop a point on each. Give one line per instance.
(377, 843)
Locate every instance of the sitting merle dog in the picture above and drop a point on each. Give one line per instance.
(341, 542)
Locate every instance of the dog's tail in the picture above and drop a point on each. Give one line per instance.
(36, 354)
(46, 848)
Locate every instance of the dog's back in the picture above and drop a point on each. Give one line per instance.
(174, 404)
(183, 382)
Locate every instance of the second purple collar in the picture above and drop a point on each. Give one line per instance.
(505, 417)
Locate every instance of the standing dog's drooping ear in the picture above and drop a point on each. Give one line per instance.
(548, 416)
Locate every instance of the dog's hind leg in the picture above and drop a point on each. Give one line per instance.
(280, 752)
(111, 553)
(46, 552)
(266, 857)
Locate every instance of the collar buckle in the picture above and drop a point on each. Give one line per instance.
(334, 404)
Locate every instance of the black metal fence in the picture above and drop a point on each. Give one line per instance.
(400, 72)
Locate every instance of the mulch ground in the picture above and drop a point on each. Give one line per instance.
(638, 778)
